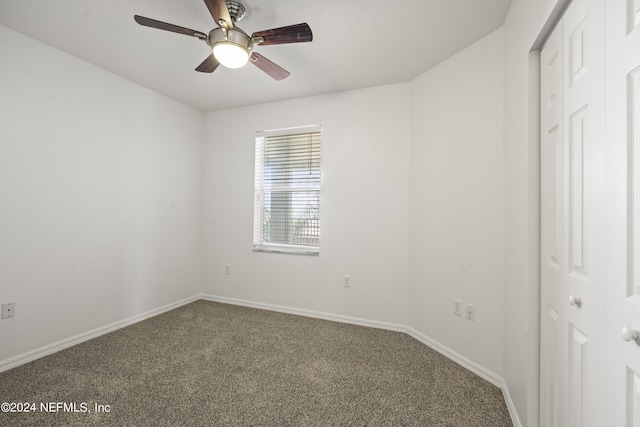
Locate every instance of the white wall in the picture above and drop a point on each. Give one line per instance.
(456, 202)
(100, 197)
(523, 25)
(364, 206)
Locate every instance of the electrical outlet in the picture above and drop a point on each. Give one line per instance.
(8, 309)
(457, 307)
(471, 312)
(346, 281)
(227, 269)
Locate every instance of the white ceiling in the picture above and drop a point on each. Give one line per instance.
(357, 43)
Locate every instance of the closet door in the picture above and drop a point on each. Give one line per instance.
(623, 202)
(572, 139)
(552, 316)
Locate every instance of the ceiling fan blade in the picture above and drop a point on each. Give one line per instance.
(148, 22)
(297, 33)
(209, 65)
(271, 68)
(218, 9)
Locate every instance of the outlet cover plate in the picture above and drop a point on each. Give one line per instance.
(471, 312)
(8, 309)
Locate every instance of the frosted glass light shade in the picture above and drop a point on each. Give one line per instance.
(230, 55)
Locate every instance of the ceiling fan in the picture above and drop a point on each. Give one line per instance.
(231, 46)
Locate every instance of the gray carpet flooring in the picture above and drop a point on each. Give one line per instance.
(222, 365)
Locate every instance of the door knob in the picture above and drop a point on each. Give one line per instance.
(575, 301)
(630, 334)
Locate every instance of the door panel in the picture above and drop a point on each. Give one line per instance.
(633, 398)
(622, 299)
(577, 51)
(554, 192)
(577, 245)
(572, 130)
(633, 15)
(577, 375)
(627, 78)
(633, 97)
(551, 369)
(552, 404)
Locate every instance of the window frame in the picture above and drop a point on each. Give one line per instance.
(261, 189)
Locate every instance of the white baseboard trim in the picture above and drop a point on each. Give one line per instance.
(510, 405)
(482, 372)
(470, 365)
(32, 355)
(306, 313)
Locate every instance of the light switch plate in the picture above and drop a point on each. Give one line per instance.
(457, 307)
(346, 281)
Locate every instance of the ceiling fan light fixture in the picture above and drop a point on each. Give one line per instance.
(230, 47)
(230, 55)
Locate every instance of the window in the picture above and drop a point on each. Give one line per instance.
(287, 191)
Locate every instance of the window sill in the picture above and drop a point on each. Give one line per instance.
(284, 249)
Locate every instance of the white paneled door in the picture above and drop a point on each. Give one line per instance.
(552, 316)
(623, 133)
(572, 139)
(590, 200)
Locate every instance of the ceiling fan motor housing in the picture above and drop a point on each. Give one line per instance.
(234, 35)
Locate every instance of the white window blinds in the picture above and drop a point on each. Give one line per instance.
(287, 191)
